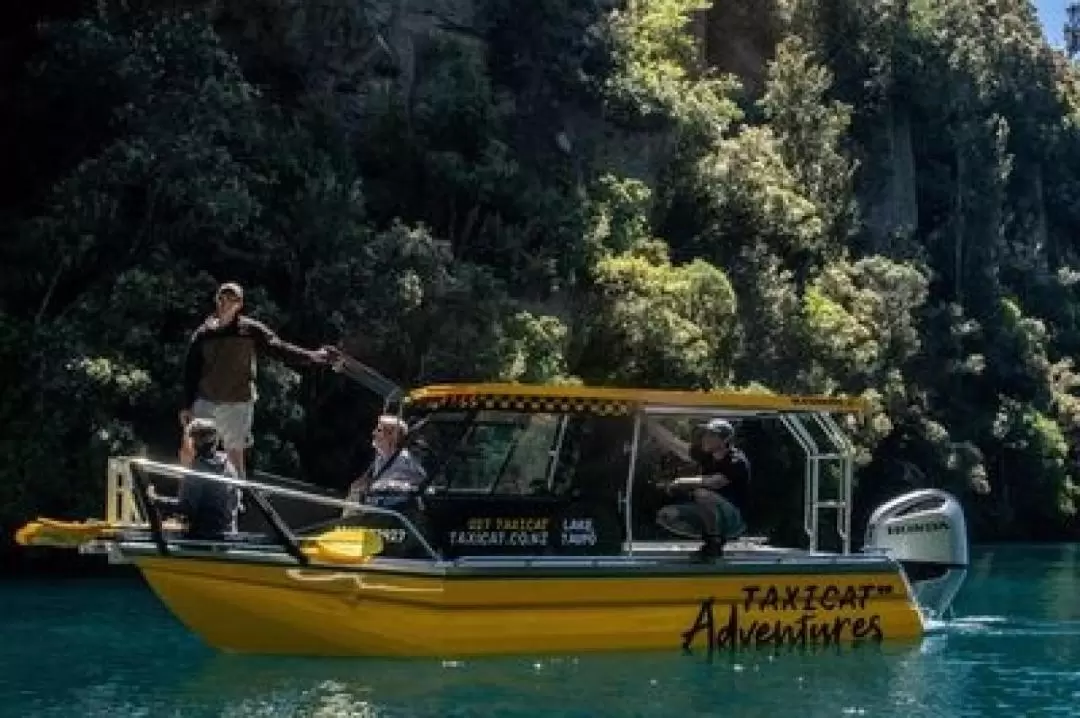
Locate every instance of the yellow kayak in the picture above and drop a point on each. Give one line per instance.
(63, 534)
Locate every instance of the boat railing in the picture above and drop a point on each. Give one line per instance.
(130, 504)
(829, 445)
(121, 507)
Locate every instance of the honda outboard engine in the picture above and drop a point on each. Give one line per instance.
(925, 531)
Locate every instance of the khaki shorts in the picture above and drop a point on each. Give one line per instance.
(233, 421)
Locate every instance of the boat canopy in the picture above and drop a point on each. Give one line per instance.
(807, 418)
(612, 401)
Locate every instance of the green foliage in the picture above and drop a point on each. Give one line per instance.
(535, 349)
(655, 78)
(861, 320)
(1036, 454)
(750, 193)
(618, 215)
(812, 130)
(660, 324)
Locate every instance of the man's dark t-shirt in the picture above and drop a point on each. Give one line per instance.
(735, 466)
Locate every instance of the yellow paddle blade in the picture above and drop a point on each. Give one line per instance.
(62, 534)
(344, 545)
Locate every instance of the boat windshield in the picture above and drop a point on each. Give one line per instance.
(490, 452)
(522, 482)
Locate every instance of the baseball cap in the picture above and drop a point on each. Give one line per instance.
(231, 288)
(720, 427)
(202, 432)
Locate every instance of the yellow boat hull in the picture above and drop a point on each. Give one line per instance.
(327, 611)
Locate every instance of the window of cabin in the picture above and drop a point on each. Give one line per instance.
(492, 452)
(596, 456)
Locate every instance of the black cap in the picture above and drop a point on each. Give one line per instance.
(720, 427)
(203, 432)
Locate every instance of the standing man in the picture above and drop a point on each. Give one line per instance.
(219, 371)
(718, 496)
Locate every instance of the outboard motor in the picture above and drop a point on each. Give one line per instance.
(926, 532)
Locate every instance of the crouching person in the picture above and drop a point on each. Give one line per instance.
(207, 507)
(712, 503)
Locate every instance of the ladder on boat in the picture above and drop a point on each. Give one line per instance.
(121, 507)
(831, 445)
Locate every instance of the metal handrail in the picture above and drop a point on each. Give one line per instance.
(810, 486)
(842, 452)
(148, 509)
(846, 455)
(272, 516)
(627, 507)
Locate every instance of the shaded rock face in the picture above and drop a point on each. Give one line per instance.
(736, 37)
(351, 56)
(337, 52)
(412, 26)
(739, 37)
(889, 193)
(346, 54)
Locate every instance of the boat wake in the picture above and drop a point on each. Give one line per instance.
(1001, 626)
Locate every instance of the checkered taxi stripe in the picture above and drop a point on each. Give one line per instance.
(538, 404)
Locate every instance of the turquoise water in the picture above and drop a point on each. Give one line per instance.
(90, 648)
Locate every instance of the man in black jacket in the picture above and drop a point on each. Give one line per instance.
(219, 371)
(717, 497)
(207, 507)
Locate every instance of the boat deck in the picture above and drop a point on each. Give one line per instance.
(749, 555)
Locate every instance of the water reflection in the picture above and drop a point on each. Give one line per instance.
(757, 682)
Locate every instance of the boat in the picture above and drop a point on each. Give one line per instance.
(536, 534)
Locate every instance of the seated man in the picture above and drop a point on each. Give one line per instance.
(394, 476)
(717, 497)
(207, 507)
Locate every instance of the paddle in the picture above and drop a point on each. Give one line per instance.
(347, 544)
